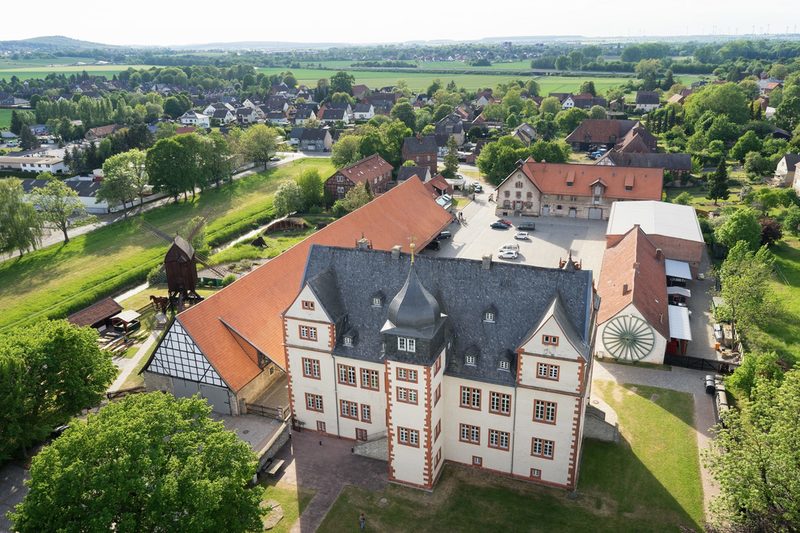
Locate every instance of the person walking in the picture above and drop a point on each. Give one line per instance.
(362, 522)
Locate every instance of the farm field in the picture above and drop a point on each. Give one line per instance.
(25, 73)
(43, 62)
(627, 486)
(419, 81)
(60, 279)
(5, 119)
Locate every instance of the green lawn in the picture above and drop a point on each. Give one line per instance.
(648, 482)
(292, 500)
(5, 118)
(783, 328)
(63, 278)
(28, 72)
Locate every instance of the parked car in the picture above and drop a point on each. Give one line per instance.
(522, 236)
(444, 235)
(499, 225)
(477, 188)
(527, 226)
(510, 246)
(505, 221)
(433, 245)
(508, 254)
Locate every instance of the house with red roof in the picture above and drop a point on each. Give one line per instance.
(373, 171)
(576, 191)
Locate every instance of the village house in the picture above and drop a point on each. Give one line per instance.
(677, 164)
(786, 171)
(422, 150)
(583, 101)
(373, 171)
(311, 139)
(333, 115)
(303, 115)
(230, 348)
(576, 191)
(525, 133)
(386, 345)
(451, 126)
(405, 172)
(223, 117)
(193, 118)
(246, 115)
(364, 112)
(609, 132)
(37, 164)
(211, 109)
(647, 101)
(99, 132)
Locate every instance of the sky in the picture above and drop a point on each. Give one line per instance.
(165, 22)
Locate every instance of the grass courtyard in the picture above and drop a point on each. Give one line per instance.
(5, 118)
(650, 481)
(60, 279)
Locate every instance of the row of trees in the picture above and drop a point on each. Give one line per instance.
(499, 158)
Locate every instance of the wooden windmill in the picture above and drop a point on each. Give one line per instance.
(180, 265)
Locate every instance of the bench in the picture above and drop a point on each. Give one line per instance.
(273, 469)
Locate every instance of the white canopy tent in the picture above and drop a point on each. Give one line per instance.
(679, 325)
(677, 269)
(680, 291)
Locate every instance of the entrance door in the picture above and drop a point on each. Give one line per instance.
(545, 210)
(573, 212)
(595, 213)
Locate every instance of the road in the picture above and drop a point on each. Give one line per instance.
(52, 237)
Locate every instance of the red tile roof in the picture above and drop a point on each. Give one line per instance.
(105, 308)
(633, 264)
(554, 178)
(367, 169)
(252, 306)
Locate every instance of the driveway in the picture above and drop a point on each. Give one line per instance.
(12, 491)
(551, 241)
(325, 465)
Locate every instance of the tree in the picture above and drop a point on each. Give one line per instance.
(342, 82)
(684, 198)
(175, 106)
(49, 371)
(451, 159)
(551, 104)
(404, 112)
(57, 203)
(757, 166)
(168, 167)
(588, 87)
(20, 224)
(288, 198)
(562, 62)
(771, 231)
(259, 143)
(647, 70)
(741, 225)
(346, 151)
(311, 188)
(356, 197)
(124, 177)
(724, 99)
(745, 276)
(569, 119)
(718, 183)
(499, 158)
(191, 474)
(756, 460)
(791, 220)
(749, 142)
(27, 140)
(598, 112)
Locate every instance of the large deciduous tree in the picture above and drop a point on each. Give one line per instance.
(741, 225)
(346, 151)
(342, 82)
(150, 462)
(20, 224)
(745, 276)
(288, 198)
(48, 372)
(756, 459)
(310, 184)
(58, 203)
(259, 143)
(124, 177)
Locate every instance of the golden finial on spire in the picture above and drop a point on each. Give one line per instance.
(413, 246)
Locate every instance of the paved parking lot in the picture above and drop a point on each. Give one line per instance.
(552, 240)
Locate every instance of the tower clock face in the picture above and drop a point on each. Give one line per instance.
(629, 338)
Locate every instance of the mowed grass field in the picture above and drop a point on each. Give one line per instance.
(650, 481)
(60, 279)
(5, 118)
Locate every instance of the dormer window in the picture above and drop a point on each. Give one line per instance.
(488, 316)
(504, 365)
(376, 301)
(347, 340)
(470, 360)
(406, 344)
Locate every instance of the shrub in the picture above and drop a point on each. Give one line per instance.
(684, 198)
(227, 280)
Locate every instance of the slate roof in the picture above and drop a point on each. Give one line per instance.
(424, 144)
(677, 162)
(333, 114)
(603, 131)
(521, 296)
(365, 170)
(253, 304)
(84, 188)
(363, 108)
(647, 97)
(308, 134)
(403, 173)
(105, 308)
(791, 161)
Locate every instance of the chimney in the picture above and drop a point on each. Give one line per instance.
(396, 251)
(363, 243)
(486, 262)
(625, 288)
(659, 254)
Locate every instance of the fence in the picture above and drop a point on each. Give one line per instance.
(697, 363)
(278, 413)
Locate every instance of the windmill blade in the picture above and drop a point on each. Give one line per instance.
(204, 261)
(157, 232)
(197, 228)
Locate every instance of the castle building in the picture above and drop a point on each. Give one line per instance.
(381, 344)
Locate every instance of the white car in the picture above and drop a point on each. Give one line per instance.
(522, 236)
(508, 254)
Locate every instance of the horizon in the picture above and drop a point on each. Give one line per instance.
(415, 21)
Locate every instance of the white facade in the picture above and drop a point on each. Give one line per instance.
(531, 430)
(659, 344)
(192, 118)
(361, 115)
